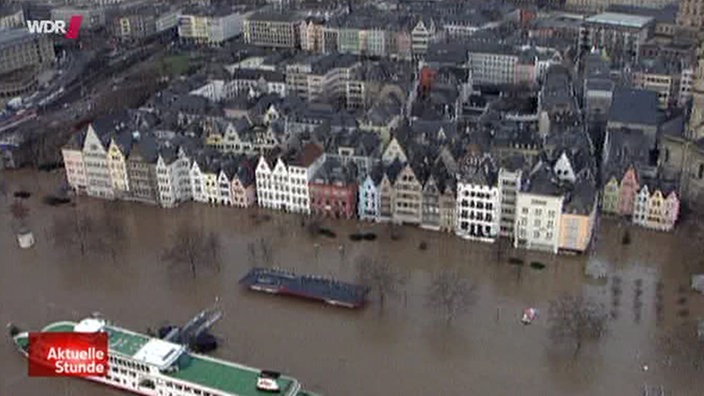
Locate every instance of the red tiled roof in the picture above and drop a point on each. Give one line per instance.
(308, 155)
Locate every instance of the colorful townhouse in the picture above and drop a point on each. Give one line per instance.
(430, 214)
(538, 211)
(478, 203)
(333, 190)
(118, 150)
(657, 210)
(654, 209)
(385, 189)
(368, 201)
(173, 178)
(244, 193)
(408, 195)
(72, 154)
(448, 206)
(141, 169)
(619, 196)
(286, 187)
(578, 217)
(95, 159)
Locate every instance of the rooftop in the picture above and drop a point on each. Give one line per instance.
(618, 19)
(635, 106)
(274, 16)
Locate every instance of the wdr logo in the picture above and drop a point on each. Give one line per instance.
(57, 27)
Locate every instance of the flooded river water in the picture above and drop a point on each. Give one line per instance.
(405, 350)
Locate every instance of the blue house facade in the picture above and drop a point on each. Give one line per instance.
(368, 200)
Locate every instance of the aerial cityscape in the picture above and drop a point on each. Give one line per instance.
(326, 197)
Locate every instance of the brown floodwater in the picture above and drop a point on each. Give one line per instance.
(404, 349)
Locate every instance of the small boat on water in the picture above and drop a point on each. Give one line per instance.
(529, 315)
(319, 288)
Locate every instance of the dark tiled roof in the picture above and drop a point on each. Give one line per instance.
(581, 198)
(543, 181)
(332, 171)
(308, 154)
(634, 106)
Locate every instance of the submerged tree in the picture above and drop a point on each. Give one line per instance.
(266, 251)
(3, 188)
(77, 231)
(313, 227)
(683, 346)
(192, 247)
(112, 229)
(380, 277)
(20, 212)
(252, 254)
(450, 292)
(575, 319)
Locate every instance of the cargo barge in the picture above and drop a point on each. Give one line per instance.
(312, 287)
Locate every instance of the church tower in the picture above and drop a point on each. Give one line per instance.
(695, 127)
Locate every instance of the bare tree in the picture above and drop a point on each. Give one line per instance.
(380, 277)
(313, 227)
(76, 231)
(3, 188)
(576, 319)
(683, 347)
(395, 232)
(112, 229)
(193, 247)
(252, 254)
(213, 246)
(42, 148)
(450, 292)
(267, 252)
(20, 212)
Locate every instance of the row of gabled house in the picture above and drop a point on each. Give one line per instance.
(650, 205)
(632, 188)
(421, 177)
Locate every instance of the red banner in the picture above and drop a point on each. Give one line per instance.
(68, 354)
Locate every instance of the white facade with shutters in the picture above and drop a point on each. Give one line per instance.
(478, 212)
(537, 224)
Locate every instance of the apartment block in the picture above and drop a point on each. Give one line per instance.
(272, 29)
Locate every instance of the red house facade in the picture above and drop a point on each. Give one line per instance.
(333, 190)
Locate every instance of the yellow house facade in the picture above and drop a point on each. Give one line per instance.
(211, 186)
(118, 169)
(575, 231)
(656, 209)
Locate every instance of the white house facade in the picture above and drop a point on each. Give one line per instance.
(368, 201)
(197, 183)
(75, 170)
(537, 221)
(96, 165)
(509, 185)
(477, 211)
